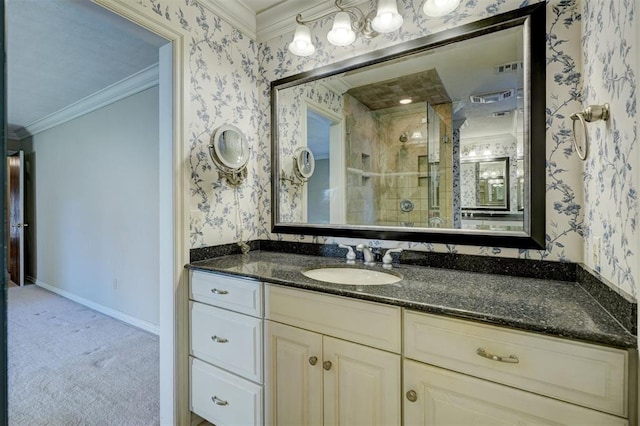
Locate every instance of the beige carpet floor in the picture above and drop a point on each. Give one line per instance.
(70, 365)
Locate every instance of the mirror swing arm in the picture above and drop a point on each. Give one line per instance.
(532, 20)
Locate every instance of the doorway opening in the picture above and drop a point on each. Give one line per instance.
(99, 191)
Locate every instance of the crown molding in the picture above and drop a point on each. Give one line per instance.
(236, 13)
(281, 18)
(131, 85)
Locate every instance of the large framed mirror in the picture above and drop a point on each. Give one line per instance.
(440, 139)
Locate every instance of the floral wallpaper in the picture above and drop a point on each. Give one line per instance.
(611, 170)
(224, 74)
(230, 76)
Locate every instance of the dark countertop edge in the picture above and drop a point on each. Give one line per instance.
(601, 339)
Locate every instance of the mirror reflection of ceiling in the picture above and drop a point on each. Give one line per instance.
(61, 51)
(424, 86)
(459, 82)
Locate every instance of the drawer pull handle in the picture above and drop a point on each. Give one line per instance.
(219, 339)
(216, 291)
(326, 365)
(512, 359)
(412, 396)
(219, 401)
(313, 360)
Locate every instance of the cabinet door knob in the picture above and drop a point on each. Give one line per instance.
(412, 396)
(326, 365)
(313, 360)
(219, 339)
(219, 401)
(216, 291)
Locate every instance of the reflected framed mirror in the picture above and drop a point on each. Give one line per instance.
(440, 139)
(484, 185)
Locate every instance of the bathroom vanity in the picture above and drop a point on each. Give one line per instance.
(271, 346)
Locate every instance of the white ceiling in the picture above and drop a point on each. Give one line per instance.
(61, 51)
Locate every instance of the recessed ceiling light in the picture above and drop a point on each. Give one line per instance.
(405, 101)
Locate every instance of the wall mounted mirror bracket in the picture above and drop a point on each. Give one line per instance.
(229, 152)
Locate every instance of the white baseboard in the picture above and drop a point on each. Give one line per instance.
(145, 325)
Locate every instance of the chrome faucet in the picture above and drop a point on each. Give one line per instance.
(387, 260)
(351, 256)
(367, 253)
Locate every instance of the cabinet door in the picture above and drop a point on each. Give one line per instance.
(434, 396)
(361, 385)
(293, 376)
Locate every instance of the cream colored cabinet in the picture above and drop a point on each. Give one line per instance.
(226, 362)
(293, 376)
(361, 384)
(312, 378)
(462, 372)
(436, 396)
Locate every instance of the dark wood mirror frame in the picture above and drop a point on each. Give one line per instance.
(533, 19)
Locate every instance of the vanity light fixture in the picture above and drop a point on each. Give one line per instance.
(437, 8)
(348, 23)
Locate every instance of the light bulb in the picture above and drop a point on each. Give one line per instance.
(437, 8)
(387, 17)
(301, 44)
(341, 34)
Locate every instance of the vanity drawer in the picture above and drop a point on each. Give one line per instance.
(367, 323)
(227, 339)
(237, 401)
(588, 375)
(238, 294)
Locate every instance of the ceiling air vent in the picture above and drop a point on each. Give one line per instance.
(488, 98)
(510, 67)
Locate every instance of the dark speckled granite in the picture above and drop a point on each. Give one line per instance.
(529, 268)
(203, 253)
(556, 308)
(625, 309)
(561, 271)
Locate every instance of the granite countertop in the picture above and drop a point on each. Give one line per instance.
(555, 308)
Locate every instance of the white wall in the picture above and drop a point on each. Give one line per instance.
(97, 206)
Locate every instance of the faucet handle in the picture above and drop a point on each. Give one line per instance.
(387, 259)
(351, 256)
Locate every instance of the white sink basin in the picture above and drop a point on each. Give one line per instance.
(352, 276)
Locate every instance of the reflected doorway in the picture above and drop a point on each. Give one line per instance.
(323, 192)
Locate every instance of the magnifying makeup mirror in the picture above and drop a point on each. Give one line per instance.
(229, 151)
(304, 163)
